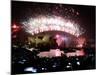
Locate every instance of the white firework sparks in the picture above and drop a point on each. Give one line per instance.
(49, 23)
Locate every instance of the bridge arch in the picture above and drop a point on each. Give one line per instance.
(52, 23)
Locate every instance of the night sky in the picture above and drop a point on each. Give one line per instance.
(84, 15)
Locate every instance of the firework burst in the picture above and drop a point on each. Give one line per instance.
(50, 23)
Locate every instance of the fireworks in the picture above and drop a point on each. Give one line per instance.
(50, 23)
(81, 41)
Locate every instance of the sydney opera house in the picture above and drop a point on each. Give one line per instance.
(51, 37)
